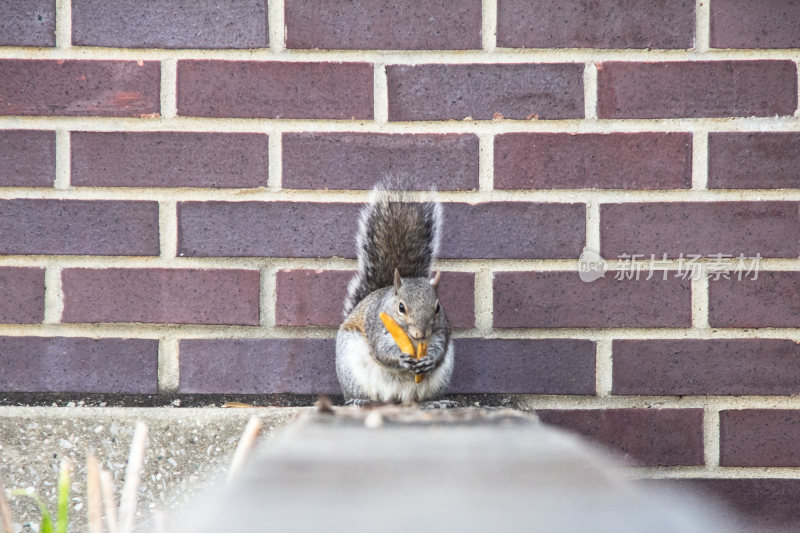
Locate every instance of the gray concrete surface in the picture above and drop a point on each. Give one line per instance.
(189, 450)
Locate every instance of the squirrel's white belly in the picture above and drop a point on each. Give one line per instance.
(381, 384)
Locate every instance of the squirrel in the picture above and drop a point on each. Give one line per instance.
(397, 243)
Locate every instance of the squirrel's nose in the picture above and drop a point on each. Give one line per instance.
(415, 333)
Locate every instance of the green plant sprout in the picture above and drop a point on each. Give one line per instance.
(62, 510)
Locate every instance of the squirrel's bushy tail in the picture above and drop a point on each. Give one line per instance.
(393, 233)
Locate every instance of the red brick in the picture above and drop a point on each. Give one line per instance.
(161, 296)
(593, 161)
(79, 87)
(28, 23)
(78, 227)
(258, 366)
(61, 364)
(768, 228)
(481, 91)
(747, 24)
(316, 298)
(516, 230)
(648, 437)
(381, 24)
(704, 367)
(358, 160)
(169, 159)
(27, 158)
(170, 24)
(770, 300)
(607, 24)
(524, 366)
(562, 300)
(678, 89)
(757, 160)
(759, 437)
(21, 295)
(249, 89)
(769, 505)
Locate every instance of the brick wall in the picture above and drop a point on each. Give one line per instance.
(179, 183)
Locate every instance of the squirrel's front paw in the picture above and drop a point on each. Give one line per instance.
(424, 365)
(408, 363)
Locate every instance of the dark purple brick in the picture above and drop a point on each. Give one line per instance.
(704, 367)
(747, 24)
(757, 160)
(516, 230)
(588, 24)
(315, 298)
(676, 89)
(358, 160)
(759, 437)
(79, 87)
(772, 299)
(593, 161)
(21, 295)
(170, 296)
(27, 158)
(28, 23)
(766, 505)
(61, 364)
(524, 366)
(674, 228)
(250, 89)
(78, 227)
(170, 24)
(169, 159)
(383, 24)
(258, 366)
(562, 300)
(648, 437)
(269, 229)
(484, 91)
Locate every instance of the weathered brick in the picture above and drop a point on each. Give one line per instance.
(249, 89)
(315, 298)
(380, 24)
(706, 367)
(170, 24)
(79, 87)
(21, 295)
(582, 24)
(674, 228)
(485, 91)
(744, 24)
(28, 23)
(61, 364)
(169, 159)
(593, 161)
(770, 504)
(756, 160)
(517, 230)
(562, 300)
(648, 437)
(524, 366)
(258, 366)
(676, 89)
(269, 229)
(174, 296)
(770, 300)
(78, 227)
(358, 160)
(759, 437)
(27, 158)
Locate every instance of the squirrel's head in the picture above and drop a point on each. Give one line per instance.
(414, 305)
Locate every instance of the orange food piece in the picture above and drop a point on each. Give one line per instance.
(403, 342)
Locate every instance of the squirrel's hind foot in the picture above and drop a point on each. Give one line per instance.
(360, 402)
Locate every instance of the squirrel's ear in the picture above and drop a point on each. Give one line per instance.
(435, 280)
(398, 282)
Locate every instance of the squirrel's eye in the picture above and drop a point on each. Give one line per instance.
(437, 307)
(402, 308)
